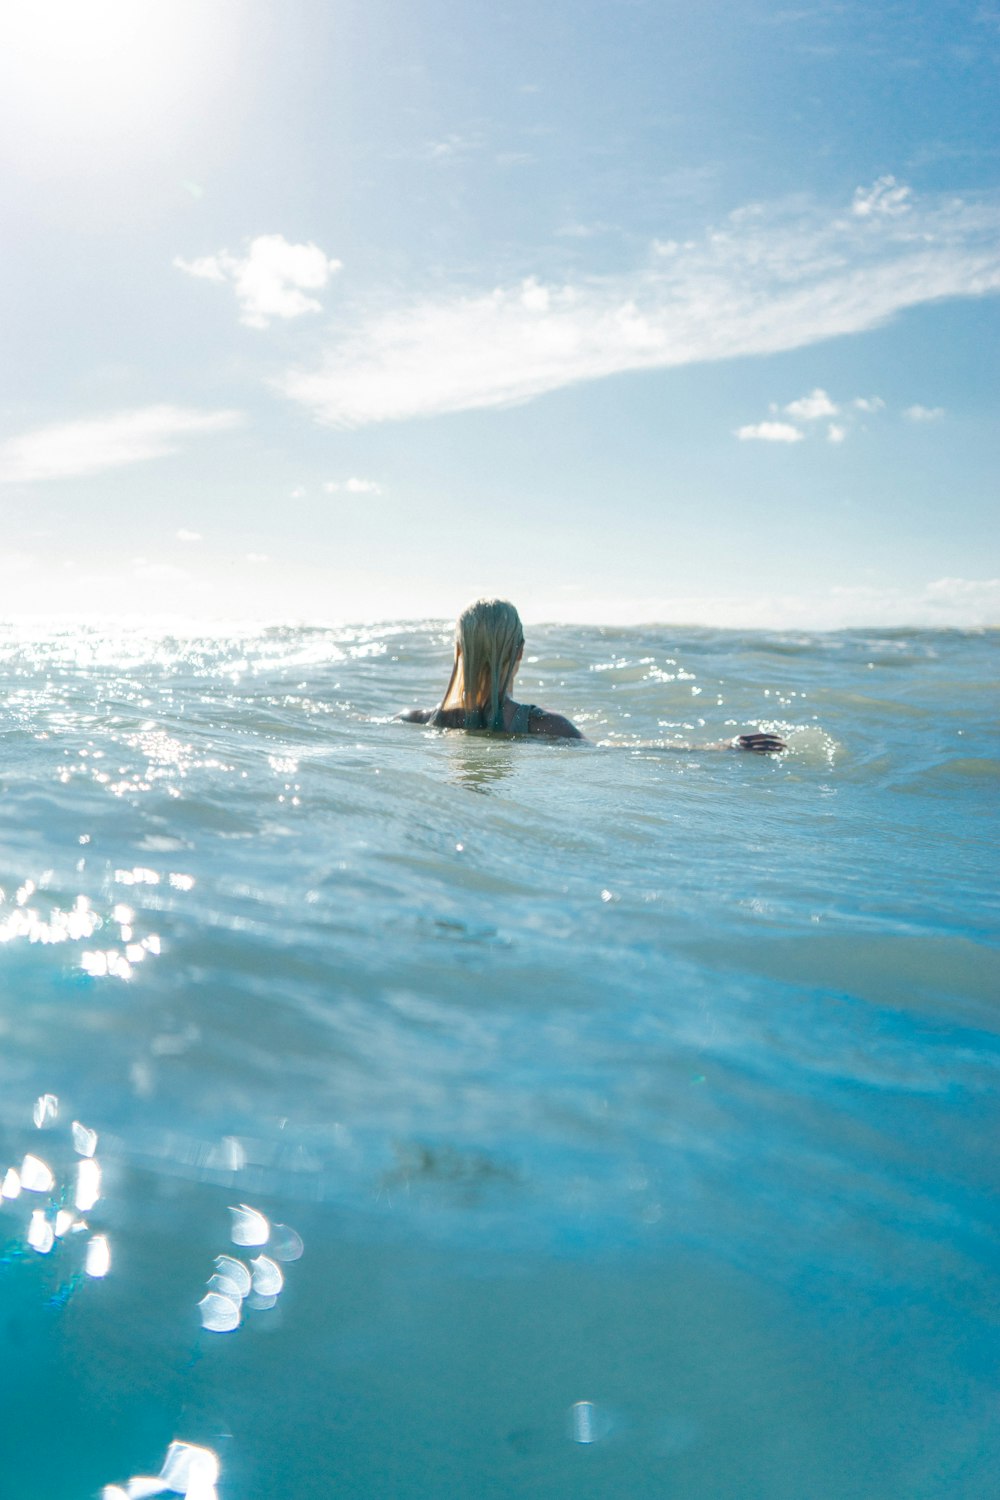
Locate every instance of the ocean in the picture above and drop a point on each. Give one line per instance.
(402, 1113)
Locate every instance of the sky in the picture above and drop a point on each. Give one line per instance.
(628, 310)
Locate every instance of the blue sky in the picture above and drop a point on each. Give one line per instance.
(627, 310)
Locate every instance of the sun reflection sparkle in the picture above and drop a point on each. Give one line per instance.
(234, 1285)
(54, 1223)
(187, 1470)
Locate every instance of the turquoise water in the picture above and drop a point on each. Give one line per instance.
(635, 1107)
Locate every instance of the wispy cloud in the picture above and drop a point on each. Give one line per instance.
(769, 279)
(353, 486)
(770, 432)
(920, 413)
(961, 602)
(95, 444)
(979, 597)
(188, 536)
(453, 147)
(513, 158)
(886, 197)
(271, 280)
(448, 147)
(576, 231)
(947, 603)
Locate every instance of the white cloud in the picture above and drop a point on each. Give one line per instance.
(976, 598)
(770, 432)
(885, 196)
(94, 444)
(188, 536)
(924, 413)
(353, 487)
(808, 408)
(768, 280)
(271, 280)
(948, 603)
(535, 296)
(961, 603)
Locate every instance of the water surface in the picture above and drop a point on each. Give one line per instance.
(617, 1092)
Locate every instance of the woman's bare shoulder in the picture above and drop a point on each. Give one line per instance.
(441, 718)
(542, 722)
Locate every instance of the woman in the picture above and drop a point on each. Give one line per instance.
(489, 644)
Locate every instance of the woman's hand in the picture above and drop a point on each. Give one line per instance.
(763, 744)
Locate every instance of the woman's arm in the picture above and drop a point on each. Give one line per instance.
(763, 744)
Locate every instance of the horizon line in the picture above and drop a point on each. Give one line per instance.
(219, 624)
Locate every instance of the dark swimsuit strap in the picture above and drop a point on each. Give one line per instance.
(522, 719)
(519, 724)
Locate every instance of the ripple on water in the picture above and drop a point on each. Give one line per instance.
(283, 954)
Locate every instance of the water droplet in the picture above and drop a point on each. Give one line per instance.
(286, 1245)
(46, 1110)
(249, 1227)
(219, 1314)
(98, 1261)
(186, 1464)
(225, 1287)
(84, 1140)
(41, 1236)
(267, 1276)
(235, 1271)
(88, 1184)
(142, 1486)
(260, 1303)
(36, 1177)
(585, 1425)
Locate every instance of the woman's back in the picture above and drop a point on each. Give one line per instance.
(517, 718)
(489, 645)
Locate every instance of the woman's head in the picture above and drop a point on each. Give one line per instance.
(489, 640)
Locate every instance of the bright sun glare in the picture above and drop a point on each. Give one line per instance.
(93, 72)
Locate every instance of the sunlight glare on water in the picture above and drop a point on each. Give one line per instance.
(633, 1102)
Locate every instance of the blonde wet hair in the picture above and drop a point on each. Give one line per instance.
(489, 639)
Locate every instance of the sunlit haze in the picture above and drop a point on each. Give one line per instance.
(630, 312)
